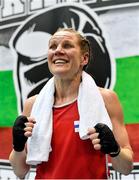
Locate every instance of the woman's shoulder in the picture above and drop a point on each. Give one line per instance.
(108, 94)
(28, 105)
(112, 104)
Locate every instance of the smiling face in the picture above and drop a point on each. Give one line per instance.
(65, 58)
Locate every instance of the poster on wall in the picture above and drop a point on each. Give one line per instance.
(25, 27)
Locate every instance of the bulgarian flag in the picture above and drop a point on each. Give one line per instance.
(127, 88)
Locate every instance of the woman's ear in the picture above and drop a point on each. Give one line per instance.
(85, 59)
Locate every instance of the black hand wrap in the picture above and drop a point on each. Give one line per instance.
(107, 140)
(19, 139)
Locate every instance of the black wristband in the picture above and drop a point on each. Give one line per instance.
(19, 139)
(107, 140)
(114, 154)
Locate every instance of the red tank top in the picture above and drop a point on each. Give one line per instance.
(71, 157)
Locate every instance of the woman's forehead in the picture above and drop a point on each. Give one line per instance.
(64, 35)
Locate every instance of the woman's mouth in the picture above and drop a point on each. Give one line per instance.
(60, 61)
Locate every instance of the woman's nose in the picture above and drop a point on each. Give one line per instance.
(59, 49)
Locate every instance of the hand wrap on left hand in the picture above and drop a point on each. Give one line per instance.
(19, 139)
(107, 140)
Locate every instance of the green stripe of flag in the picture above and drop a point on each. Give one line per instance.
(127, 88)
(8, 105)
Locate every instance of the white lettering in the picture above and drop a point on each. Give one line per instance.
(38, 4)
(16, 8)
(12, 7)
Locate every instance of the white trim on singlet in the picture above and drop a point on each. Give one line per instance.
(65, 104)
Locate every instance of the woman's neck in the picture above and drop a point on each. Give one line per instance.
(66, 90)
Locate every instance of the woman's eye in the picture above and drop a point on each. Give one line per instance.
(67, 45)
(52, 46)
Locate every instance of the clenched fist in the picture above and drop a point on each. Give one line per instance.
(103, 139)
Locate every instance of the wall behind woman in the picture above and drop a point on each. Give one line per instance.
(121, 26)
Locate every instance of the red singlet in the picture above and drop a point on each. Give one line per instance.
(71, 157)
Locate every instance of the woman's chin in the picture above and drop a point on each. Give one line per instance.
(60, 72)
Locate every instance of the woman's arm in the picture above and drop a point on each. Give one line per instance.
(115, 142)
(124, 161)
(18, 158)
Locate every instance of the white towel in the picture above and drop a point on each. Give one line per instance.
(91, 110)
(91, 106)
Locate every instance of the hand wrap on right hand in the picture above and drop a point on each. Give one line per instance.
(19, 139)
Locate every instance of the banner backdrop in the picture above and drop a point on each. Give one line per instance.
(111, 26)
